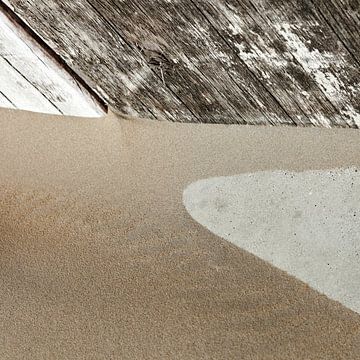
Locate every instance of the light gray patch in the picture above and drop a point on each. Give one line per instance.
(305, 223)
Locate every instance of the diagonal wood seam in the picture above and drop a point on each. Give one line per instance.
(7, 10)
(319, 97)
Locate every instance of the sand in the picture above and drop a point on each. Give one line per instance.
(100, 259)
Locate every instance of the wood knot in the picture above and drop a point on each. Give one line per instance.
(155, 58)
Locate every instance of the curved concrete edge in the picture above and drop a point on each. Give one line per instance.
(305, 223)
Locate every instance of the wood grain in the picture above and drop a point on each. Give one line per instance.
(221, 61)
(343, 16)
(5, 102)
(281, 43)
(31, 80)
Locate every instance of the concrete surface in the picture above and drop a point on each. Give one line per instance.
(306, 223)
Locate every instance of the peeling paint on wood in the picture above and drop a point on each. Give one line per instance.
(222, 61)
(291, 51)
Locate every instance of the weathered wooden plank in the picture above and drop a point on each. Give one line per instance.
(30, 80)
(208, 102)
(209, 68)
(325, 58)
(5, 102)
(228, 61)
(264, 50)
(21, 93)
(344, 18)
(95, 50)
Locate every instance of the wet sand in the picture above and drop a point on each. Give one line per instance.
(99, 258)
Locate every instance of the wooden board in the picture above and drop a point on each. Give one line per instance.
(31, 80)
(221, 61)
(6, 102)
(343, 16)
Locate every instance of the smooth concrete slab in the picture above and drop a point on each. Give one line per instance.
(306, 223)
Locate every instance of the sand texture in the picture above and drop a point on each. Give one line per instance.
(101, 260)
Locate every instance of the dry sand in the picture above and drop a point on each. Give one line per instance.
(100, 260)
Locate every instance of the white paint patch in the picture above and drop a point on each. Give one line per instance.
(32, 80)
(318, 65)
(307, 223)
(328, 69)
(254, 54)
(135, 81)
(236, 24)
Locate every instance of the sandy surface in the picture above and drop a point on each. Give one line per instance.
(100, 260)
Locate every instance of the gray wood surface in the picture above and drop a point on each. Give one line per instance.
(220, 61)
